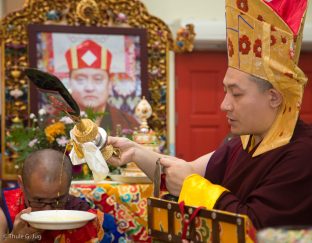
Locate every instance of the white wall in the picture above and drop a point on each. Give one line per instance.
(172, 10)
(8, 6)
(208, 17)
(167, 10)
(1, 8)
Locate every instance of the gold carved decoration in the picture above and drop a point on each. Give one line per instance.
(88, 10)
(100, 13)
(185, 39)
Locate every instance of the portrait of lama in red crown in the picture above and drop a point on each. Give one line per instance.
(104, 72)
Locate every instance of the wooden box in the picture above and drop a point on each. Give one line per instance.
(167, 221)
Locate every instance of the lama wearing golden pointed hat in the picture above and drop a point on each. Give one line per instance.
(254, 178)
(264, 39)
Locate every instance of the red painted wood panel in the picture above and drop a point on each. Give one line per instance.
(305, 64)
(201, 126)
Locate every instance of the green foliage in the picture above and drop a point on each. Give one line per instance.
(18, 140)
(22, 140)
(93, 115)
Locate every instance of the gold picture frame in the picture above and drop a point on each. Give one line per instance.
(89, 13)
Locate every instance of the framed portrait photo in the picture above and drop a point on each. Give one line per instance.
(104, 69)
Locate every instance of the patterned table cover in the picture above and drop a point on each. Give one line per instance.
(126, 202)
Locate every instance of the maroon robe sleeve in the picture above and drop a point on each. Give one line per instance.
(221, 158)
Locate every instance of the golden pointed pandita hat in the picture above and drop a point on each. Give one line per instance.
(264, 39)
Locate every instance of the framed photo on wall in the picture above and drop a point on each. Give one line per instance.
(103, 68)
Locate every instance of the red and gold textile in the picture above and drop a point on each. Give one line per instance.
(126, 202)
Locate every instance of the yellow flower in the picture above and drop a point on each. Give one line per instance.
(53, 130)
(85, 169)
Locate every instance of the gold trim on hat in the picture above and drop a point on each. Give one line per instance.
(260, 43)
(104, 58)
(74, 59)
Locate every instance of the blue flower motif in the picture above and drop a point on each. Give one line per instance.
(53, 15)
(126, 198)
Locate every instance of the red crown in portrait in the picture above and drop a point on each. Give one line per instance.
(88, 54)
